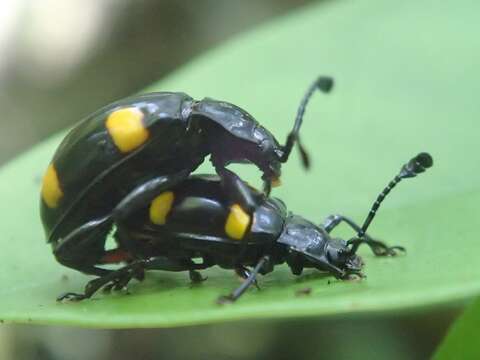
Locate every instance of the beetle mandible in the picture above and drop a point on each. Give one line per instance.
(195, 225)
(131, 150)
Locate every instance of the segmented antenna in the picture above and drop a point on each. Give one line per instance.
(324, 84)
(415, 166)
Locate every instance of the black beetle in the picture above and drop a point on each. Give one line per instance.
(129, 151)
(196, 220)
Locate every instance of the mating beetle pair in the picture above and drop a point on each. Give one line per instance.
(127, 166)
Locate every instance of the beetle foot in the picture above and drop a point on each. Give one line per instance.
(303, 292)
(115, 281)
(116, 285)
(225, 299)
(196, 277)
(353, 275)
(381, 249)
(119, 283)
(70, 296)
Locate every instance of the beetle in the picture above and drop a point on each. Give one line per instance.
(195, 225)
(133, 149)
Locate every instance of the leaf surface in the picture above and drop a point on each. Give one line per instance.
(405, 83)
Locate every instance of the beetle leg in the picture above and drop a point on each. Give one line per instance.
(116, 279)
(71, 296)
(332, 269)
(267, 188)
(264, 262)
(139, 198)
(378, 248)
(244, 273)
(118, 284)
(333, 221)
(144, 193)
(339, 273)
(237, 189)
(119, 278)
(84, 247)
(167, 264)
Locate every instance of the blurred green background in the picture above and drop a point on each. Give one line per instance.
(63, 59)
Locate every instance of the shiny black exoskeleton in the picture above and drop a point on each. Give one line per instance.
(126, 153)
(200, 227)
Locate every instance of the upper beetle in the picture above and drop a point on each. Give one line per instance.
(131, 150)
(195, 225)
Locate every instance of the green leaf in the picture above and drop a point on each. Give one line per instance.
(405, 83)
(461, 341)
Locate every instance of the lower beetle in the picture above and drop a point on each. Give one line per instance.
(196, 220)
(130, 151)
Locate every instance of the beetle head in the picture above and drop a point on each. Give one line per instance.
(340, 255)
(262, 150)
(310, 246)
(236, 137)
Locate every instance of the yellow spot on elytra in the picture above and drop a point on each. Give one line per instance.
(160, 208)
(126, 128)
(51, 190)
(237, 222)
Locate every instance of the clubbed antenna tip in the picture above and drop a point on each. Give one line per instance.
(325, 83)
(416, 165)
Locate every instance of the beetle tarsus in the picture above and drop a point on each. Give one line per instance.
(225, 299)
(379, 248)
(354, 275)
(115, 280)
(71, 296)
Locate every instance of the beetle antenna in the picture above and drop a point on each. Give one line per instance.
(415, 166)
(323, 83)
